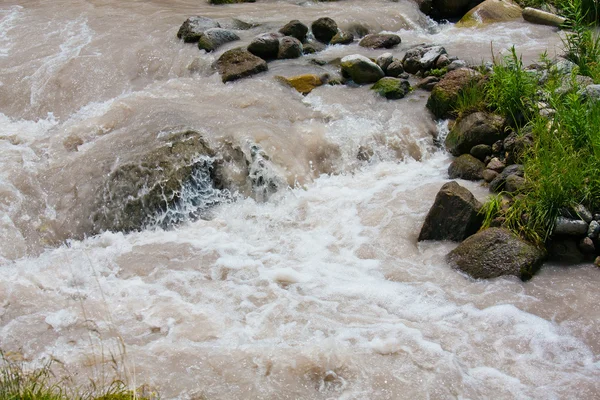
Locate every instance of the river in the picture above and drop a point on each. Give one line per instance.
(317, 291)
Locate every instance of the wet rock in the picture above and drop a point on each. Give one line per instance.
(454, 215)
(466, 167)
(587, 247)
(481, 151)
(265, 46)
(536, 16)
(395, 69)
(422, 58)
(312, 47)
(456, 64)
(305, 83)
(514, 184)
(360, 69)
(289, 47)
(496, 252)
(570, 227)
(391, 88)
(239, 63)
(191, 30)
(358, 29)
(428, 83)
(495, 164)
(497, 185)
(564, 250)
(583, 213)
(236, 24)
(342, 38)
(295, 29)
(384, 61)
(593, 230)
(490, 11)
(324, 29)
(597, 262)
(214, 38)
(444, 95)
(380, 41)
(442, 61)
(489, 175)
(474, 129)
(568, 84)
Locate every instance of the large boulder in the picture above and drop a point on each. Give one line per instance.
(214, 38)
(466, 167)
(490, 11)
(540, 17)
(295, 29)
(239, 63)
(324, 29)
(454, 215)
(475, 129)
(380, 41)
(289, 47)
(136, 191)
(265, 46)
(392, 88)
(496, 252)
(360, 69)
(445, 94)
(193, 27)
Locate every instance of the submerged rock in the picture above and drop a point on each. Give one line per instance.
(324, 29)
(214, 38)
(191, 30)
(342, 38)
(496, 252)
(217, 2)
(454, 215)
(360, 69)
(392, 88)
(239, 63)
(380, 41)
(295, 29)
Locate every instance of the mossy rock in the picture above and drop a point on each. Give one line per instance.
(444, 96)
(475, 129)
(304, 83)
(490, 11)
(391, 88)
(466, 167)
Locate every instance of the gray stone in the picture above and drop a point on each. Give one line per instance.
(239, 63)
(536, 16)
(191, 30)
(428, 83)
(384, 61)
(380, 41)
(265, 46)
(342, 38)
(496, 252)
(593, 230)
(495, 164)
(395, 69)
(454, 215)
(514, 184)
(489, 175)
(497, 185)
(295, 29)
(481, 151)
(324, 29)
(214, 38)
(360, 69)
(289, 47)
(570, 227)
(586, 246)
(583, 213)
(456, 64)
(592, 92)
(466, 167)
(476, 128)
(429, 58)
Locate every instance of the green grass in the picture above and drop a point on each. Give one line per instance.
(17, 382)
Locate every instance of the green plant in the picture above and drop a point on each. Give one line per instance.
(470, 99)
(490, 210)
(582, 43)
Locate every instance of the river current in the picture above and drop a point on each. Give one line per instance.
(317, 291)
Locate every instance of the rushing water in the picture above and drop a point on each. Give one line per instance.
(318, 291)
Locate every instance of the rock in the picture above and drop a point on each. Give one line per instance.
(442, 61)
(489, 175)
(444, 95)
(239, 63)
(514, 184)
(497, 185)
(497, 147)
(135, 191)
(568, 84)
(564, 250)
(214, 38)
(380, 41)
(342, 38)
(358, 29)
(236, 24)
(193, 27)
(289, 47)
(217, 2)
(395, 69)
(265, 46)
(428, 83)
(295, 29)
(496, 165)
(586, 246)
(474, 129)
(384, 61)
(324, 29)
(570, 227)
(466, 167)
(536, 16)
(305, 83)
(593, 230)
(496, 252)
(313, 47)
(391, 88)
(583, 213)
(481, 151)
(592, 92)
(454, 215)
(515, 147)
(597, 262)
(360, 69)
(422, 58)
(456, 64)
(490, 11)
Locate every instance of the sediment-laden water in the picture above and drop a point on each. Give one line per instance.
(306, 281)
